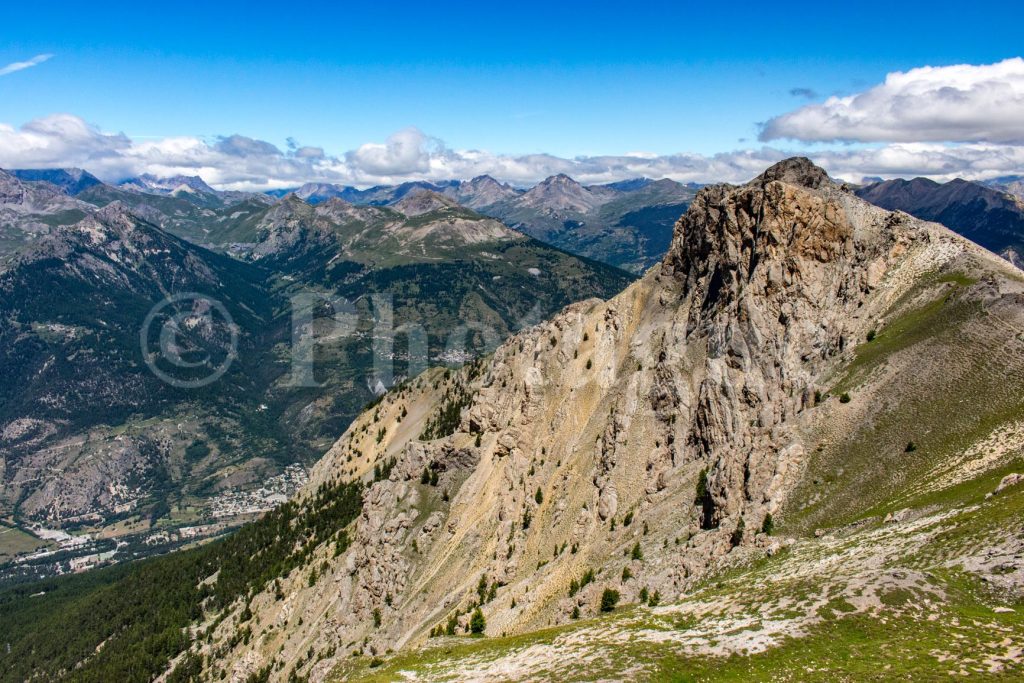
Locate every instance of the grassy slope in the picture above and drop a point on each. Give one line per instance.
(945, 370)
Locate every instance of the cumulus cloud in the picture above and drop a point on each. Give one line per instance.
(407, 151)
(21, 66)
(243, 163)
(241, 146)
(963, 103)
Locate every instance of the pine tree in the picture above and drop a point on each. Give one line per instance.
(609, 598)
(477, 623)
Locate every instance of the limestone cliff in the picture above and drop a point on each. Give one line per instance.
(639, 442)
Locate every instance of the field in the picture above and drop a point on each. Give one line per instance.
(14, 542)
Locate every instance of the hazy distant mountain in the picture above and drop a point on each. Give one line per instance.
(170, 185)
(379, 195)
(991, 217)
(70, 180)
(30, 208)
(626, 224)
(481, 192)
(1013, 184)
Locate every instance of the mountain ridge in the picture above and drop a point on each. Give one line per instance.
(767, 455)
(991, 217)
(708, 375)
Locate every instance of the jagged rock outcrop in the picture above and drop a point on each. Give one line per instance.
(653, 432)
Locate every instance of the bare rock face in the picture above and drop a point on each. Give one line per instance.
(653, 432)
(776, 275)
(423, 201)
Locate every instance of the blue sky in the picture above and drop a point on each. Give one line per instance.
(564, 79)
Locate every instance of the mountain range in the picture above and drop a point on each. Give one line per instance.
(990, 216)
(793, 449)
(626, 224)
(96, 444)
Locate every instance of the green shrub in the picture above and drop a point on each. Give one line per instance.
(845, 397)
(609, 598)
(768, 525)
(477, 623)
(737, 533)
(705, 501)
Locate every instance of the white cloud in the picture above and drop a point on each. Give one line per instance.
(407, 151)
(963, 103)
(239, 162)
(27, 64)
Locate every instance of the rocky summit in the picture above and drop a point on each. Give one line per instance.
(792, 449)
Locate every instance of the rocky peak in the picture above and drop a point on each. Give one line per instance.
(772, 232)
(113, 226)
(481, 191)
(335, 204)
(560, 193)
(485, 181)
(423, 201)
(559, 179)
(287, 215)
(148, 182)
(799, 171)
(696, 378)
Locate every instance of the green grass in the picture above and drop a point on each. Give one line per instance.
(900, 643)
(945, 388)
(912, 327)
(853, 648)
(14, 542)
